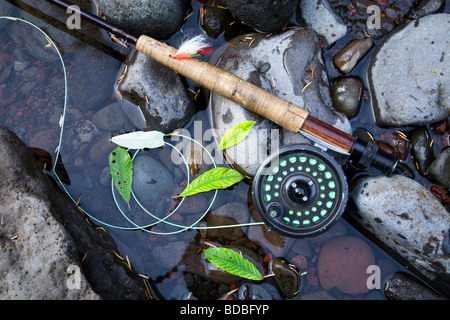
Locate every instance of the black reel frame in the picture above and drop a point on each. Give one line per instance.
(300, 191)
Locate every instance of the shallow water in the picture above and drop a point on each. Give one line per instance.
(34, 114)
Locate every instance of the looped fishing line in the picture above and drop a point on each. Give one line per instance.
(136, 226)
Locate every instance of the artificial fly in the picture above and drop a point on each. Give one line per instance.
(192, 47)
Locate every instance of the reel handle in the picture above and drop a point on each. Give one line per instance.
(226, 84)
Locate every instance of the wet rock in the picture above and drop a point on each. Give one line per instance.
(193, 204)
(347, 59)
(270, 240)
(346, 94)
(6, 9)
(217, 20)
(440, 128)
(320, 17)
(159, 19)
(86, 131)
(263, 291)
(422, 149)
(440, 169)
(151, 180)
(100, 150)
(280, 64)
(343, 263)
(361, 6)
(287, 277)
(44, 235)
(407, 220)
(153, 96)
(387, 24)
(160, 253)
(109, 118)
(419, 70)
(425, 7)
(339, 229)
(47, 140)
(94, 86)
(400, 142)
(263, 15)
(403, 286)
(228, 214)
(33, 40)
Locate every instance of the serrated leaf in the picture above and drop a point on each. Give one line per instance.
(232, 262)
(121, 168)
(236, 134)
(140, 139)
(217, 178)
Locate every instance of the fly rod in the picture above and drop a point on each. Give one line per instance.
(253, 98)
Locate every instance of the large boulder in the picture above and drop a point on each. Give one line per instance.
(408, 221)
(415, 59)
(47, 246)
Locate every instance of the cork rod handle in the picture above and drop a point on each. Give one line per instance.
(226, 84)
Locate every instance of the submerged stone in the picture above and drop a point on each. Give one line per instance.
(287, 277)
(403, 286)
(408, 221)
(343, 263)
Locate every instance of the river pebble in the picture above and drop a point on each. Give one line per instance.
(229, 213)
(287, 277)
(422, 149)
(151, 180)
(440, 169)
(346, 94)
(343, 263)
(348, 57)
(109, 118)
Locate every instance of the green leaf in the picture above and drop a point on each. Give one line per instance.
(121, 168)
(217, 178)
(236, 134)
(232, 262)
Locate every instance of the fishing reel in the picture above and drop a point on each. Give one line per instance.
(301, 191)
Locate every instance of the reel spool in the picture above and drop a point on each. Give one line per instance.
(300, 192)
